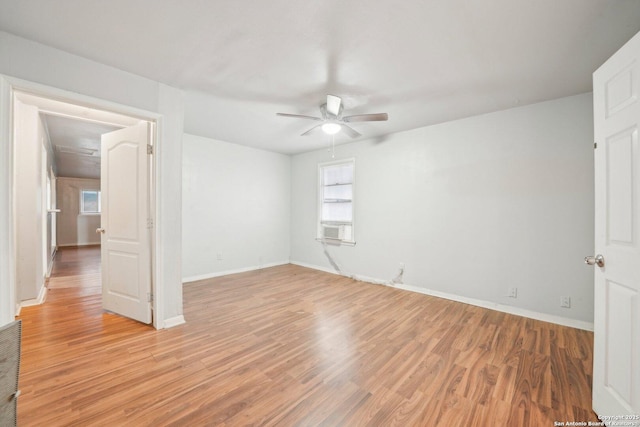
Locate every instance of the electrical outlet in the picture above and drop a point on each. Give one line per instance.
(565, 302)
(513, 293)
(219, 257)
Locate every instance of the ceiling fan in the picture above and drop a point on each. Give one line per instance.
(333, 121)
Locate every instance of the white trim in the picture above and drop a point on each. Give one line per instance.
(167, 226)
(336, 242)
(559, 320)
(8, 301)
(189, 279)
(71, 245)
(551, 318)
(173, 321)
(42, 296)
(62, 95)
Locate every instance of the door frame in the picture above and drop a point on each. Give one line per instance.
(8, 264)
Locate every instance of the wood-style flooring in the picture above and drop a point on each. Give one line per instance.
(75, 267)
(290, 346)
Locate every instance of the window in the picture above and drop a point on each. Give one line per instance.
(335, 212)
(89, 201)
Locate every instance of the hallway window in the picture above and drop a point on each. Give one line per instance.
(89, 201)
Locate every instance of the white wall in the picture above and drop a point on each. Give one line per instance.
(236, 203)
(28, 207)
(89, 80)
(472, 207)
(48, 217)
(52, 219)
(74, 228)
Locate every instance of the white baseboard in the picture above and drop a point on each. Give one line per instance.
(66, 245)
(173, 321)
(559, 320)
(227, 272)
(42, 296)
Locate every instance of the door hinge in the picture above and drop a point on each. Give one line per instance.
(149, 149)
(149, 222)
(595, 145)
(149, 297)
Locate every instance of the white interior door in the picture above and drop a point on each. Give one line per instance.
(616, 370)
(126, 251)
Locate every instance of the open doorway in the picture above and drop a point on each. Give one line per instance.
(75, 209)
(58, 157)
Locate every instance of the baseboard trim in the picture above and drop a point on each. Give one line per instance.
(42, 296)
(227, 272)
(173, 321)
(77, 245)
(559, 320)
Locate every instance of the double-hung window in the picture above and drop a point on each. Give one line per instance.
(336, 201)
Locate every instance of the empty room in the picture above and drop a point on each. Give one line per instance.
(320, 213)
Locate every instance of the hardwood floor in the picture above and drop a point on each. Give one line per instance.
(76, 266)
(289, 346)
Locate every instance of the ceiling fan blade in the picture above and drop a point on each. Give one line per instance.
(376, 117)
(299, 116)
(350, 131)
(310, 130)
(333, 105)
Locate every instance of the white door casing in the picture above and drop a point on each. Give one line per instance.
(616, 370)
(125, 218)
(8, 298)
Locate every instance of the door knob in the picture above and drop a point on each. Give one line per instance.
(99, 230)
(594, 260)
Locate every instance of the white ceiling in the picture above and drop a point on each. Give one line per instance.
(74, 133)
(421, 61)
(76, 145)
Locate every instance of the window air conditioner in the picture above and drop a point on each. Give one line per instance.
(334, 232)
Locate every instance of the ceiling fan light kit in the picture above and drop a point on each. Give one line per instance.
(332, 120)
(331, 128)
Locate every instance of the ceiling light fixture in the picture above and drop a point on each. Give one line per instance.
(331, 128)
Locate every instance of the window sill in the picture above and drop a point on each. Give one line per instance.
(90, 213)
(334, 242)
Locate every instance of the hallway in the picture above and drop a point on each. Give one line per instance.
(76, 267)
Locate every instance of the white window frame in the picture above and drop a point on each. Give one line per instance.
(82, 210)
(320, 192)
